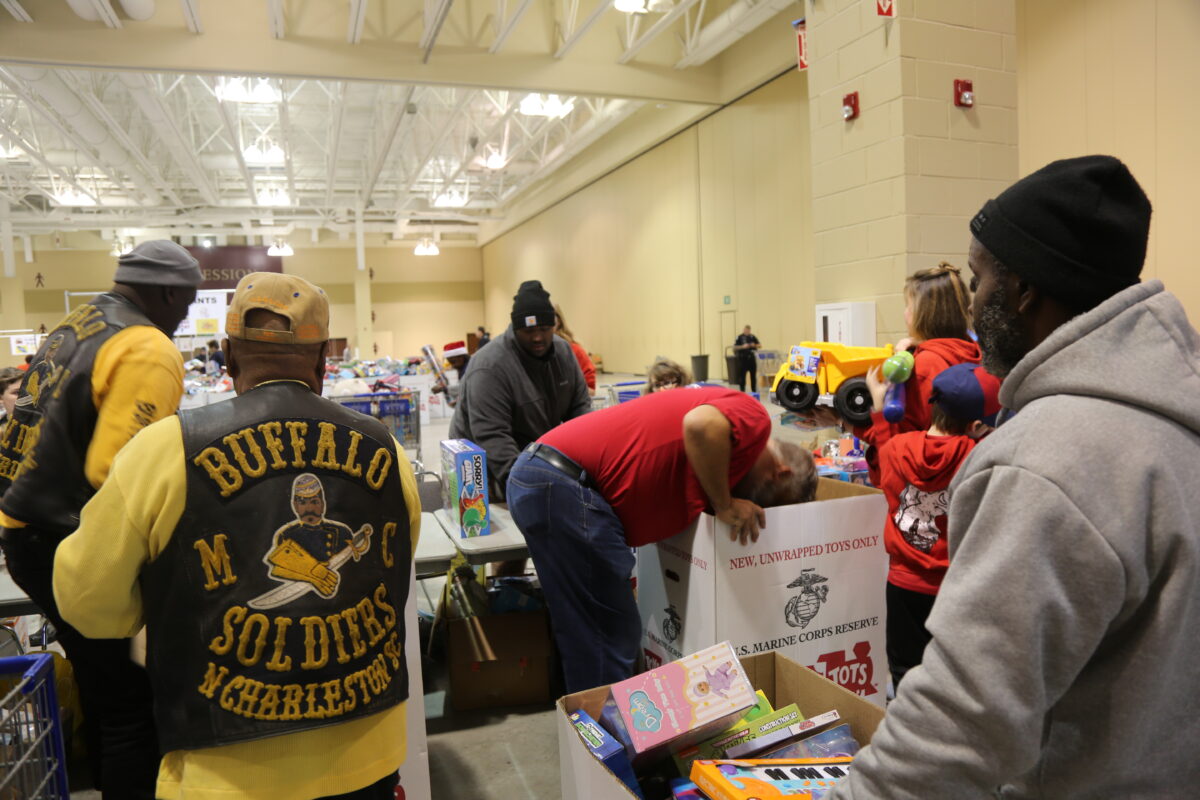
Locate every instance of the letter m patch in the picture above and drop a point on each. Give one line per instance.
(214, 559)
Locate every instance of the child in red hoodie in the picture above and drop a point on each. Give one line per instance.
(915, 473)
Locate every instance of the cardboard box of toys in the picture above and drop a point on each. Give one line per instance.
(811, 587)
(465, 482)
(585, 776)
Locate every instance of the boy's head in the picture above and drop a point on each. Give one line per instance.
(965, 400)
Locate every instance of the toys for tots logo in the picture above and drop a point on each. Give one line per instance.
(854, 674)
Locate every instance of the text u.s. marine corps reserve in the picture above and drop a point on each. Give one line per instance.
(305, 556)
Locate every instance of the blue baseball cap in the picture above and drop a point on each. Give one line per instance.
(967, 392)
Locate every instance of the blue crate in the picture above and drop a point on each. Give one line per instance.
(32, 759)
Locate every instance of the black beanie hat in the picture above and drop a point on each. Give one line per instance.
(1076, 229)
(531, 306)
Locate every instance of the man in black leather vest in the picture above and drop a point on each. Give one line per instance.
(105, 372)
(267, 543)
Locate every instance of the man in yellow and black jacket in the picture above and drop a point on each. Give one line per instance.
(105, 372)
(266, 542)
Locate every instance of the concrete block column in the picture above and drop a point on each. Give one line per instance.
(894, 189)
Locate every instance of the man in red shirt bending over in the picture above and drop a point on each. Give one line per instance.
(637, 473)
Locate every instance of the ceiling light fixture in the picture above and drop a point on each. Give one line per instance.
(73, 197)
(206, 242)
(426, 247)
(630, 6)
(551, 105)
(495, 160)
(273, 196)
(264, 151)
(280, 248)
(8, 151)
(450, 199)
(247, 90)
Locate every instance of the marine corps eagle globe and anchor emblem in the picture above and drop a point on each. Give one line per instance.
(801, 608)
(307, 552)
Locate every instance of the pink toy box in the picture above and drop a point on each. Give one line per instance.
(679, 703)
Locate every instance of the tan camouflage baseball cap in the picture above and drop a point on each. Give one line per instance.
(304, 304)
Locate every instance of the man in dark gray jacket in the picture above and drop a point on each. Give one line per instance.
(1066, 636)
(524, 383)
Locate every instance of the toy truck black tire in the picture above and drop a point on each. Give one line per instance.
(797, 396)
(852, 401)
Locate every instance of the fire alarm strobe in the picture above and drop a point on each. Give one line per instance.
(850, 106)
(964, 93)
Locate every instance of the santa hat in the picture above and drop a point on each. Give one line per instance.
(454, 349)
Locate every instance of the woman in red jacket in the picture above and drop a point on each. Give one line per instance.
(937, 311)
(581, 355)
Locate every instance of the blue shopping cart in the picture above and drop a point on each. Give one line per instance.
(399, 411)
(629, 390)
(32, 763)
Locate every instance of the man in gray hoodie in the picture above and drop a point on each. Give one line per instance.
(1065, 657)
(524, 383)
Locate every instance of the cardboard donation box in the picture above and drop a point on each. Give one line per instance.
(586, 777)
(812, 587)
(500, 660)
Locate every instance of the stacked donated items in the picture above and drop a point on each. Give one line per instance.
(712, 726)
(499, 650)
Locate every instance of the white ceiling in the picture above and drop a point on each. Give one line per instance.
(87, 144)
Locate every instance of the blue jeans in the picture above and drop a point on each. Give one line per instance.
(578, 547)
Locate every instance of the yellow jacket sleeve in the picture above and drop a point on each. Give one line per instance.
(412, 500)
(126, 523)
(137, 379)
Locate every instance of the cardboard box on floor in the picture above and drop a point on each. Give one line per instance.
(520, 672)
(812, 587)
(781, 679)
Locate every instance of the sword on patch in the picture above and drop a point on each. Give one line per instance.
(288, 592)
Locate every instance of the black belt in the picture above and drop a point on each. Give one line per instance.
(560, 462)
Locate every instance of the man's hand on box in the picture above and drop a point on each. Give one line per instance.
(744, 519)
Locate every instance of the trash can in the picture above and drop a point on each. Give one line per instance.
(699, 368)
(731, 366)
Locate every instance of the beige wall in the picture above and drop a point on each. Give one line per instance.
(417, 300)
(642, 260)
(1106, 76)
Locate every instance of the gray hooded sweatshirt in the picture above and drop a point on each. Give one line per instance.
(1065, 661)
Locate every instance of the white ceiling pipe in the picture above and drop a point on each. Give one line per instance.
(139, 10)
(51, 88)
(732, 24)
(84, 10)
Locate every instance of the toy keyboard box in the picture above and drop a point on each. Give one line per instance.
(752, 779)
(465, 487)
(781, 679)
(678, 704)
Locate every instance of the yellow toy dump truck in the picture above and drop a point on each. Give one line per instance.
(817, 368)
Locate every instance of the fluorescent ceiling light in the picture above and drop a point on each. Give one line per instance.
(450, 199)
(247, 90)
(426, 247)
